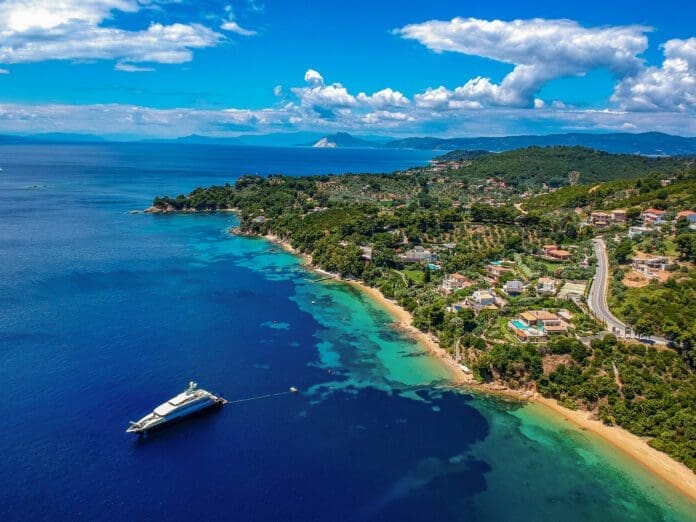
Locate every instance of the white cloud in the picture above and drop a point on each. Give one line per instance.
(235, 28)
(384, 98)
(540, 49)
(129, 67)
(278, 91)
(148, 121)
(386, 119)
(313, 77)
(672, 86)
(318, 95)
(73, 30)
(4, 71)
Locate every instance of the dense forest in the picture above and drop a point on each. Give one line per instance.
(551, 165)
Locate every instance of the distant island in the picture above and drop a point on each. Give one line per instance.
(493, 256)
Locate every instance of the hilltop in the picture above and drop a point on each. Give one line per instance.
(533, 166)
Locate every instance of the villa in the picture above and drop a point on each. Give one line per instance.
(454, 282)
(600, 219)
(513, 287)
(618, 215)
(559, 255)
(495, 270)
(688, 215)
(546, 286)
(418, 255)
(638, 231)
(482, 298)
(534, 326)
(648, 264)
(652, 216)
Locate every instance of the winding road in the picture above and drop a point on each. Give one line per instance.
(597, 298)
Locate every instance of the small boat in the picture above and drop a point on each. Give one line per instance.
(464, 368)
(293, 389)
(189, 402)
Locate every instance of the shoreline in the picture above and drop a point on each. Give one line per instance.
(659, 464)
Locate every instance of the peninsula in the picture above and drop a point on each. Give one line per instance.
(490, 259)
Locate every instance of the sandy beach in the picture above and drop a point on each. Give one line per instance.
(660, 464)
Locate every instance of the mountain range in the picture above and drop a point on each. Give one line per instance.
(648, 144)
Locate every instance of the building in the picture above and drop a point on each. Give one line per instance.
(648, 264)
(652, 216)
(495, 270)
(526, 333)
(546, 286)
(548, 248)
(559, 255)
(454, 282)
(618, 215)
(537, 325)
(514, 287)
(600, 219)
(638, 231)
(417, 255)
(688, 215)
(483, 298)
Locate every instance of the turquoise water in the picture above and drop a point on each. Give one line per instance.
(104, 314)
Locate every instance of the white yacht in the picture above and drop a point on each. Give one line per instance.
(192, 400)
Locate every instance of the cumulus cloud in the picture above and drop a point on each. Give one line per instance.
(540, 50)
(672, 86)
(384, 98)
(313, 77)
(73, 30)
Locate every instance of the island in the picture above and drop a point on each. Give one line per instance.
(564, 275)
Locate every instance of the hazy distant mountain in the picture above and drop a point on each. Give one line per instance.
(649, 143)
(65, 137)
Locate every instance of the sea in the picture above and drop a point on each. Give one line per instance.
(106, 312)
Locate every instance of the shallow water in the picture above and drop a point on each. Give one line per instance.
(104, 314)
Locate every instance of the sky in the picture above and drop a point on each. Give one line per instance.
(167, 68)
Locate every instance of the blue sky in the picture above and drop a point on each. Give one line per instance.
(176, 67)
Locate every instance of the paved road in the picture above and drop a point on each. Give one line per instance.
(597, 298)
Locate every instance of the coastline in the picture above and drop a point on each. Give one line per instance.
(659, 464)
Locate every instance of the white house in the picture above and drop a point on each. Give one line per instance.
(546, 286)
(483, 297)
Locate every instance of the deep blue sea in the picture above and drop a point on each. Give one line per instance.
(104, 314)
